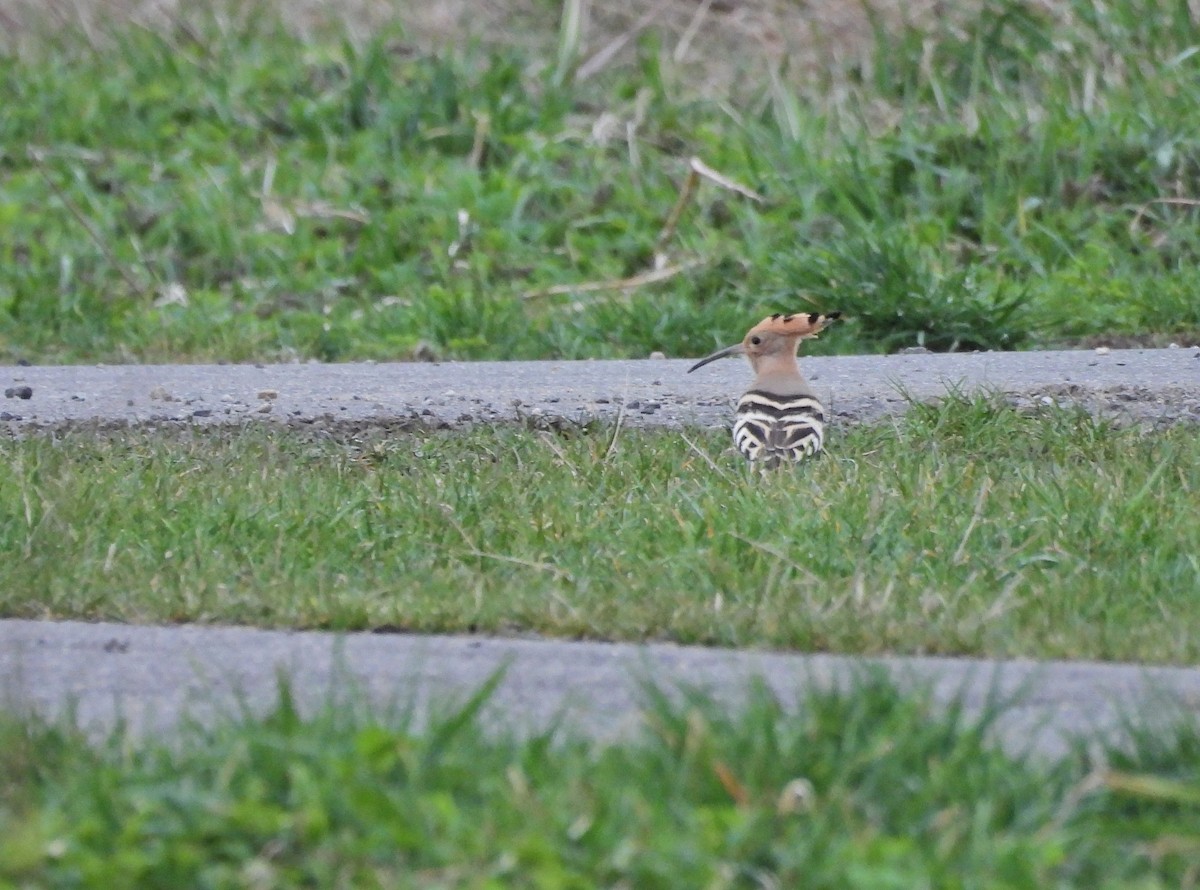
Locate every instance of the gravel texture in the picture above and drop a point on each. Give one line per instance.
(1153, 386)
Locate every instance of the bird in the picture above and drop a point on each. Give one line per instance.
(779, 419)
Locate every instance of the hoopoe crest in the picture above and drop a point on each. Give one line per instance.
(779, 418)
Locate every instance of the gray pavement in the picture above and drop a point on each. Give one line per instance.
(1151, 384)
(150, 676)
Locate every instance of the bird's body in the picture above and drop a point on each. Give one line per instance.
(773, 428)
(779, 419)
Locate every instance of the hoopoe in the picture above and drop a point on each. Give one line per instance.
(779, 418)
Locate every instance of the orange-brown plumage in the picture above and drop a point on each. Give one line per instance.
(779, 417)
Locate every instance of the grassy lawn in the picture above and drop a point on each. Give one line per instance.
(220, 189)
(855, 791)
(967, 527)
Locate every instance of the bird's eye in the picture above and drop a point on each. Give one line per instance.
(756, 340)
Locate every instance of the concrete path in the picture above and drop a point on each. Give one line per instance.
(152, 675)
(1154, 385)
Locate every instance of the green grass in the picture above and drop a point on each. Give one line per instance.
(861, 789)
(998, 182)
(967, 527)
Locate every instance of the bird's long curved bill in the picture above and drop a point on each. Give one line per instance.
(735, 349)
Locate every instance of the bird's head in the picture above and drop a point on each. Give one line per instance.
(775, 335)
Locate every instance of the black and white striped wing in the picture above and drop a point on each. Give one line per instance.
(775, 428)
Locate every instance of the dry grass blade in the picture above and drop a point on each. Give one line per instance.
(570, 38)
(724, 181)
(1144, 208)
(1148, 786)
(697, 169)
(553, 445)
(282, 216)
(36, 158)
(685, 195)
(960, 554)
(325, 210)
(639, 280)
(527, 563)
(689, 34)
(483, 126)
(735, 789)
(600, 59)
(712, 465)
(779, 555)
(612, 442)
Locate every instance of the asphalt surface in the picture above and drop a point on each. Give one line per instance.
(151, 676)
(1155, 385)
